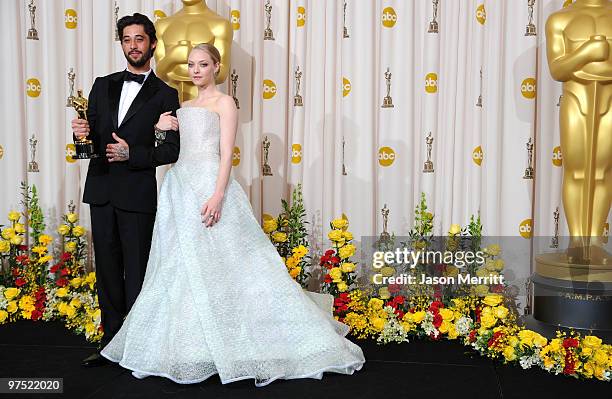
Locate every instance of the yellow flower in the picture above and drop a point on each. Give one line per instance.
(16, 240)
(335, 235)
(492, 300)
(347, 235)
(452, 271)
(295, 271)
(63, 229)
(14, 216)
(526, 337)
(90, 328)
(499, 264)
(26, 303)
(454, 229)
(45, 239)
(291, 262)
(500, 312)
(5, 246)
(62, 292)
(11, 307)
(481, 290)
(346, 251)
(45, 259)
(76, 302)
(26, 314)
(279, 236)
(513, 340)
(8, 233)
(375, 304)
(591, 341)
(452, 331)
(377, 323)
(39, 249)
(11, 293)
(493, 250)
(447, 314)
(348, 267)
(78, 231)
(70, 311)
(340, 223)
(588, 368)
(600, 357)
(408, 326)
(76, 282)
(417, 317)
(445, 326)
(539, 340)
(598, 372)
(269, 225)
(509, 353)
(487, 320)
(383, 293)
(300, 251)
(336, 274)
(72, 217)
(70, 246)
(3, 316)
(19, 228)
(342, 287)
(387, 271)
(91, 278)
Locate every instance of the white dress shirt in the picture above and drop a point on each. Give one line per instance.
(129, 91)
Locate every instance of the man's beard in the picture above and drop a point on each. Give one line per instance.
(141, 61)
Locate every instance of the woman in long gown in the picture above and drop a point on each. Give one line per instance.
(216, 297)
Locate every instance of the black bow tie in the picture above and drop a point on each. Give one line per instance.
(129, 76)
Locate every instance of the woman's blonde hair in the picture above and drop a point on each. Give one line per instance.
(212, 51)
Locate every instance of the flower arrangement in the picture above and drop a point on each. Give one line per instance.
(288, 234)
(340, 269)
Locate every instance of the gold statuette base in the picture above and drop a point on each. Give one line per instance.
(558, 265)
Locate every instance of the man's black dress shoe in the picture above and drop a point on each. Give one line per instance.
(95, 360)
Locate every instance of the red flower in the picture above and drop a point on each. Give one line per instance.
(22, 247)
(55, 268)
(472, 336)
(20, 282)
(335, 260)
(23, 259)
(329, 252)
(36, 314)
(435, 305)
(328, 279)
(394, 288)
(570, 343)
(324, 260)
(399, 313)
(399, 299)
(493, 340)
(437, 321)
(434, 337)
(569, 368)
(62, 282)
(64, 272)
(66, 256)
(477, 311)
(345, 296)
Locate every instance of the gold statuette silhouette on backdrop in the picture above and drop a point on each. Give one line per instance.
(579, 49)
(177, 34)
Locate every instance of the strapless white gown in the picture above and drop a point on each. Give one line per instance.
(219, 300)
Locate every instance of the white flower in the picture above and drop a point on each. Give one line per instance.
(463, 326)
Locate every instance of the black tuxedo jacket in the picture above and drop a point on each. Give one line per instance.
(130, 185)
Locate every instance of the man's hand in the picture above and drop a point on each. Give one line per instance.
(118, 152)
(80, 127)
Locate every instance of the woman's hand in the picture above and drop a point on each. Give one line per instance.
(167, 122)
(211, 210)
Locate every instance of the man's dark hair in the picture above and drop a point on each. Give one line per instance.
(137, 19)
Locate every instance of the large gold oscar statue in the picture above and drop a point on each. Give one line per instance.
(572, 288)
(177, 34)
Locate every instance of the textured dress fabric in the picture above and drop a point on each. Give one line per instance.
(219, 300)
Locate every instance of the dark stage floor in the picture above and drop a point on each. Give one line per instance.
(35, 349)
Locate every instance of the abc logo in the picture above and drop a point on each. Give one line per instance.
(528, 88)
(269, 89)
(296, 153)
(236, 156)
(525, 228)
(389, 17)
(301, 16)
(70, 18)
(33, 87)
(346, 87)
(159, 14)
(386, 156)
(1, 152)
(431, 83)
(477, 155)
(481, 14)
(235, 19)
(70, 152)
(567, 3)
(557, 158)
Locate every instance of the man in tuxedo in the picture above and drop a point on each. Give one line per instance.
(127, 110)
